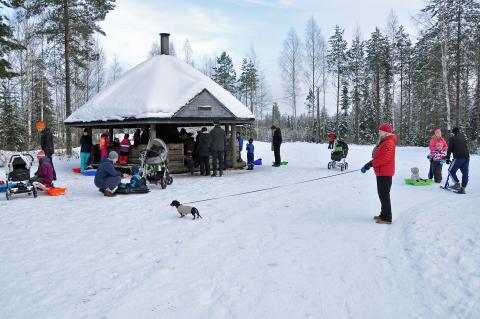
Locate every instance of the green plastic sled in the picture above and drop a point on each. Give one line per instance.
(281, 163)
(413, 182)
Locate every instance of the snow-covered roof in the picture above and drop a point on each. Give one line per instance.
(155, 89)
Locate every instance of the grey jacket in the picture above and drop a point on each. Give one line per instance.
(218, 139)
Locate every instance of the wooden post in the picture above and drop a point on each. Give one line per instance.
(110, 132)
(153, 134)
(234, 145)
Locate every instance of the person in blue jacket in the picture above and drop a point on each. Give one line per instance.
(240, 146)
(250, 154)
(107, 177)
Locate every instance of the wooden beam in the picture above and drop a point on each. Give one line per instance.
(234, 145)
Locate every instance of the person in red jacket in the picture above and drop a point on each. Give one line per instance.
(383, 164)
(331, 140)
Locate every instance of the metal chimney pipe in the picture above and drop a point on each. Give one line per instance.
(164, 43)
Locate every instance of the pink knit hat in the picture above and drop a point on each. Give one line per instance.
(438, 131)
(386, 127)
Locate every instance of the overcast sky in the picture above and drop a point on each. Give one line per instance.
(237, 25)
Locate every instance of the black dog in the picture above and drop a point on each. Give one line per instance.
(185, 210)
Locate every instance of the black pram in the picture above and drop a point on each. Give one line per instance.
(338, 156)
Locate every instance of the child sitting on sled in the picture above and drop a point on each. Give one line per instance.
(437, 158)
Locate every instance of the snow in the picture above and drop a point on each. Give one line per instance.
(156, 88)
(306, 250)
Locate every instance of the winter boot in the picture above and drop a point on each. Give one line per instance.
(457, 186)
(376, 217)
(383, 221)
(108, 193)
(461, 190)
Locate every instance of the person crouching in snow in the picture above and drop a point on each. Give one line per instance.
(44, 176)
(250, 154)
(383, 163)
(107, 177)
(437, 159)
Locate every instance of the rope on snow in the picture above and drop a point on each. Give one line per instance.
(273, 187)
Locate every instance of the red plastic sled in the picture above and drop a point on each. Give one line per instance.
(76, 170)
(56, 191)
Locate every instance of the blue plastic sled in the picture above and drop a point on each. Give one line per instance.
(257, 162)
(89, 172)
(3, 187)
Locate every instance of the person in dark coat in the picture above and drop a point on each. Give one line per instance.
(383, 163)
(46, 143)
(136, 137)
(218, 141)
(145, 137)
(107, 177)
(43, 178)
(457, 145)
(85, 149)
(276, 143)
(188, 150)
(203, 152)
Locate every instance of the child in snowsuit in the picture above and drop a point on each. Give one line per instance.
(437, 158)
(250, 154)
(44, 176)
(124, 149)
(103, 145)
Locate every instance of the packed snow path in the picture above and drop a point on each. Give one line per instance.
(304, 251)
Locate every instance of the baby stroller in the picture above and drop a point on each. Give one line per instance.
(338, 156)
(18, 176)
(153, 164)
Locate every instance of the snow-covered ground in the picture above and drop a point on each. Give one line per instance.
(306, 250)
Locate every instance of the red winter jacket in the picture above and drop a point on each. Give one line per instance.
(384, 157)
(331, 137)
(435, 140)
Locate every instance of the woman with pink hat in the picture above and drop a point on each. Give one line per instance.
(437, 146)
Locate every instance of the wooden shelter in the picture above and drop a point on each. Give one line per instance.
(164, 93)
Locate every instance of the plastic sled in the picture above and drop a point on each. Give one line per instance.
(76, 170)
(3, 187)
(89, 172)
(56, 191)
(423, 182)
(132, 190)
(281, 163)
(257, 162)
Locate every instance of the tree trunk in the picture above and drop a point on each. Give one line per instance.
(377, 95)
(319, 136)
(444, 50)
(457, 67)
(338, 102)
(400, 121)
(68, 107)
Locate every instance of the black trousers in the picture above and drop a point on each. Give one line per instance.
(217, 158)
(330, 144)
(250, 159)
(276, 153)
(204, 165)
(384, 184)
(435, 171)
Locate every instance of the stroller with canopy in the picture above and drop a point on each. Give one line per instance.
(338, 156)
(153, 163)
(18, 176)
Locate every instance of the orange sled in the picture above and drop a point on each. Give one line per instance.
(56, 191)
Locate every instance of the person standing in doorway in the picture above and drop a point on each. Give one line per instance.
(203, 151)
(85, 149)
(276, 143)
(383, 163)
(240, 146)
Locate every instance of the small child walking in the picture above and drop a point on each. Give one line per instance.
(437, 158)
(250, 154)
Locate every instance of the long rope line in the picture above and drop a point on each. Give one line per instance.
(272, 187)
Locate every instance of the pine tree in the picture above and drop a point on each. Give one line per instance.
(10, 120)
(356, 70)
(71, 23)
(337, 63)
(7, 42)
(343, 126)
(224, 73)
